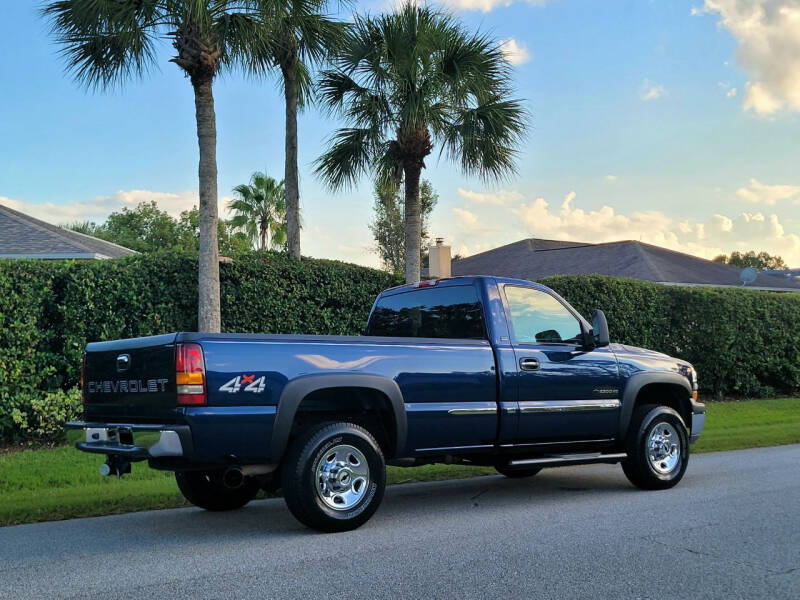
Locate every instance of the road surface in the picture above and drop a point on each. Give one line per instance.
(731, 529)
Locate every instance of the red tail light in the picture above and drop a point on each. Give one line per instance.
(190, 374)
(83, 379)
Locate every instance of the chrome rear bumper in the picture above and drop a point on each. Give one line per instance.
(133, 442)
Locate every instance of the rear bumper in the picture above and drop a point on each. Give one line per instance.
(133, 442)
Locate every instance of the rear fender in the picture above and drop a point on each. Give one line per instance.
(296, 390)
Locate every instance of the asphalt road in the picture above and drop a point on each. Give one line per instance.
(731, 529)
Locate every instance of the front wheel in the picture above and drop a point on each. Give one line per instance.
(658, 448)
(333, 477)
(206, 490)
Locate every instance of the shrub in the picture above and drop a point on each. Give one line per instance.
(49, 310)
(742, 342)
(43, 420)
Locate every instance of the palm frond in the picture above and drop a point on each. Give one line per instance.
(104, 42)
(350, 155)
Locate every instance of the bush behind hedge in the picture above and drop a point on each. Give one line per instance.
(742, 341)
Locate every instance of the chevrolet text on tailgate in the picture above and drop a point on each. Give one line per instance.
(468, 370)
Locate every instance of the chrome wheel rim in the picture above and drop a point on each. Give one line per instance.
(663, 448)
(342, 477)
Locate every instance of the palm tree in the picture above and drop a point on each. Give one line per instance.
(106, 42)
(407, 81)
(301, 35)
(260, 211)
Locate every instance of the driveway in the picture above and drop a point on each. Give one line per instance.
(731, 529)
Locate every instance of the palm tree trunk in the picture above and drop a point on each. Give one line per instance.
(208, 309)
(413, 221)
(263, 238)
(290, 174)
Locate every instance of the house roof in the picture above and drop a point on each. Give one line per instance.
(536, 258)
(22, 236)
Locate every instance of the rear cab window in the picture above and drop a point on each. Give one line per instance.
(453, 311)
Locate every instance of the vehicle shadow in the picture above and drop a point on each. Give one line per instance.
(270, 521)
(409, 500)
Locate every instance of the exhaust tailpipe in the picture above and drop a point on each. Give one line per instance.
(233, 478)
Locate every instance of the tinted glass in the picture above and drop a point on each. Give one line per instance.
(446, 312)
(537, 317)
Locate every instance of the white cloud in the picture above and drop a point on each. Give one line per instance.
(486, 5)
(516, 53)
(499, 198)
(98, 208)
(490, 226)
(651, 91)
(611, 178)
(731, 93)
(768, 36)
(761, 193)
(466, 218)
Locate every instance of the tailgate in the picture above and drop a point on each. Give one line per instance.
(131, 381)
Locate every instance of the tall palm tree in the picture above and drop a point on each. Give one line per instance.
(407, 81)
(260, 211)
(301, 35)
(106, 42)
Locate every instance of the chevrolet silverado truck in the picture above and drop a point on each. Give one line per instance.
(466, 370)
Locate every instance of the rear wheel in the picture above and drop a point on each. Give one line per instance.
(333, 477)
(206, 490)
(657, 448)
(512, 473)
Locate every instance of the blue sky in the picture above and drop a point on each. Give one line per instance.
(670, 121)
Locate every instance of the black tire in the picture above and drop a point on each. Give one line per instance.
(504, 469)
(206, 490)
(651, 472)
(312, 451)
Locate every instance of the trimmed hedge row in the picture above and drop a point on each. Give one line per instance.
(50, 309)
(742, 342)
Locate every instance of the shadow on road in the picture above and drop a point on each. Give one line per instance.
(270, 521)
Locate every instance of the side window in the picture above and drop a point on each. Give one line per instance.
(538, 318)
(446, 312)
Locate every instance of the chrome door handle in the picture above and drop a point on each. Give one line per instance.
(529, 364)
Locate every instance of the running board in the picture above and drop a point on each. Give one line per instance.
(558, 460)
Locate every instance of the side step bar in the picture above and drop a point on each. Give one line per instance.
(559, 460)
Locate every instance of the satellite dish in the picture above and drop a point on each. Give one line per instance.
(748, 275)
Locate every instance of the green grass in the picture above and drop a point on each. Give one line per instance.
(61, 483)
(750, 424)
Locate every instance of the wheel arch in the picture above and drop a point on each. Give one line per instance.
(668, 389)
(298, 390)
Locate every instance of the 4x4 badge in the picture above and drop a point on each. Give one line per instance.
(244, 383)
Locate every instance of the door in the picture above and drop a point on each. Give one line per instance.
(565, 393)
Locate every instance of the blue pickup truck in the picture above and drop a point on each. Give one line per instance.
(468, 370)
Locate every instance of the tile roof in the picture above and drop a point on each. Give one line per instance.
(536, 258)
(22, 236)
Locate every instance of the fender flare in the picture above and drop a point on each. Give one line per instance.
(297, 389)
(635, 383)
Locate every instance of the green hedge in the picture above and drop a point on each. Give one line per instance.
(50, 309)
(742, 342)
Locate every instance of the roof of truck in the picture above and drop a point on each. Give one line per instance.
(458, 280)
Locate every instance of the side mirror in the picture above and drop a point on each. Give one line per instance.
(600, 329)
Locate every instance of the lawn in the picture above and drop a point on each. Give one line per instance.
(61, 483)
